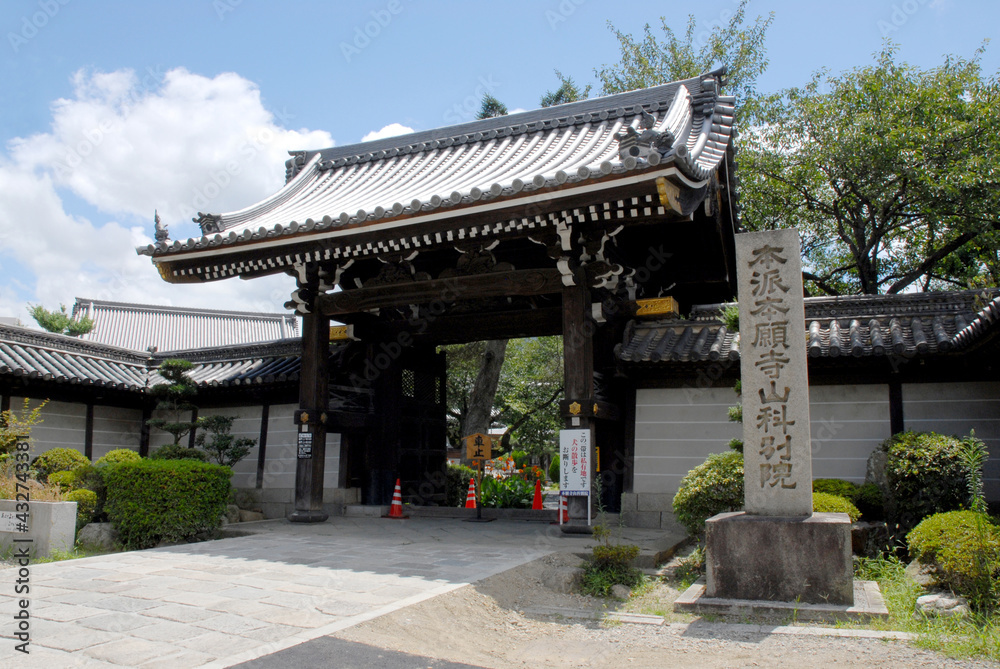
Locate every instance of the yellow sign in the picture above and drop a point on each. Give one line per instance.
(339, 333)
(478, 447)
(574, 408)
(657, 306)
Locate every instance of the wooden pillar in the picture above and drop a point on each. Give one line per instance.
(311, 420)
(265, 412)
(88, 435)
(896, 422)
(578, 372)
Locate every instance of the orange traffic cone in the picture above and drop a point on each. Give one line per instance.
(396, 510)
(470, 499)
(563, 510)
(536, 503)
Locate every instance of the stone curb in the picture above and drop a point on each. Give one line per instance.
(703, 626)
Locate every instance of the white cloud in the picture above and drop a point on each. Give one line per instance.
(128, 144)
(390, 130)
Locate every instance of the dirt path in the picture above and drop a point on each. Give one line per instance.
(496, 623)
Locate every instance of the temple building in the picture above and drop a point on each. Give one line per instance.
(602, 220)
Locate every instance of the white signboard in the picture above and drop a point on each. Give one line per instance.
(8, 521)
(574, 462)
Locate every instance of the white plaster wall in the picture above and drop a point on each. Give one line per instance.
(246, 425)
(280, 462)
(64, 425)
(115, 427)
(955, 409)
(677, 428)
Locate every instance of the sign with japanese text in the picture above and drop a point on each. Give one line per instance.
(478, 447)
(777, 459)
(305, 444)
(574, 462)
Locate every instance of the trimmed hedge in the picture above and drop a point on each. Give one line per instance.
(962, 548)
(165, 500)
(926, 476)
(58, 460)
(457, 484)
(118, 456)
(827, 503)
(715, 486)
(86, 504)
(838, 487)
(178, 452)
(870, 502)
(554, 469)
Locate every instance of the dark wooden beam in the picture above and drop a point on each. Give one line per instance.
(88, 434)
(896, 421)
(265, 412)
(459, 329)
(313, 378)
(501, 284)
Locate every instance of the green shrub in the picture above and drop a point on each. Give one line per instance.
(554, 469)
(86, 505)
(512, 492)
(58, 460)
(65, 480)
(175, 452)
(457, 484)
(117, 456)
(827, 503)
(870, 501)
(90, 477)
(165, 500)
(962, 548)
(926, 476)
(736, 445)
(715, 486)
(609, 565)
(838, 487)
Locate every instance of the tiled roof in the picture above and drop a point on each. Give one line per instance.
(854, 326)
(140, 326)
(684, 126)
(44, 356)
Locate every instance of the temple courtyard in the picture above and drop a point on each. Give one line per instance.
(360, 592)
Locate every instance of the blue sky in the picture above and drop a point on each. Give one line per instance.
(113, 109)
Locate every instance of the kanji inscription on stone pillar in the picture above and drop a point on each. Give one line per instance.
(777, 459)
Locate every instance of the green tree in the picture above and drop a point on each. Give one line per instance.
(567, 92)
(14, 424)
(175, 398)
(889, 172)
(649, 61)
(531, 384)
(223, 447)
(491, 108)
(60, 322)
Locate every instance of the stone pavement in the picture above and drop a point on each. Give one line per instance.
(218, 603)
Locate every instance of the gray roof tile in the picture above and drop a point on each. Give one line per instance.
(850, 326)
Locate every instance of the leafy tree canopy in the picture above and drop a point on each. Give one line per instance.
(650, 61)
(889, 172)
(491, 108)
(567, 92)
(60, 321)
(175, 398)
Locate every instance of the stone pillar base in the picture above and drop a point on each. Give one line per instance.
(805, 559)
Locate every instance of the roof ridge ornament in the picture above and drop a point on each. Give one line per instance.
(160, 232)
(209, 223)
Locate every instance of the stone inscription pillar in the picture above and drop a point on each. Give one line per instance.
(776, 441)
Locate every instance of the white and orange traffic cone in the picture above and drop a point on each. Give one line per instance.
(470, 499)
(536, 503)
(396, 510)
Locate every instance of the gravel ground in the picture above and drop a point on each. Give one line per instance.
(495, 623)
